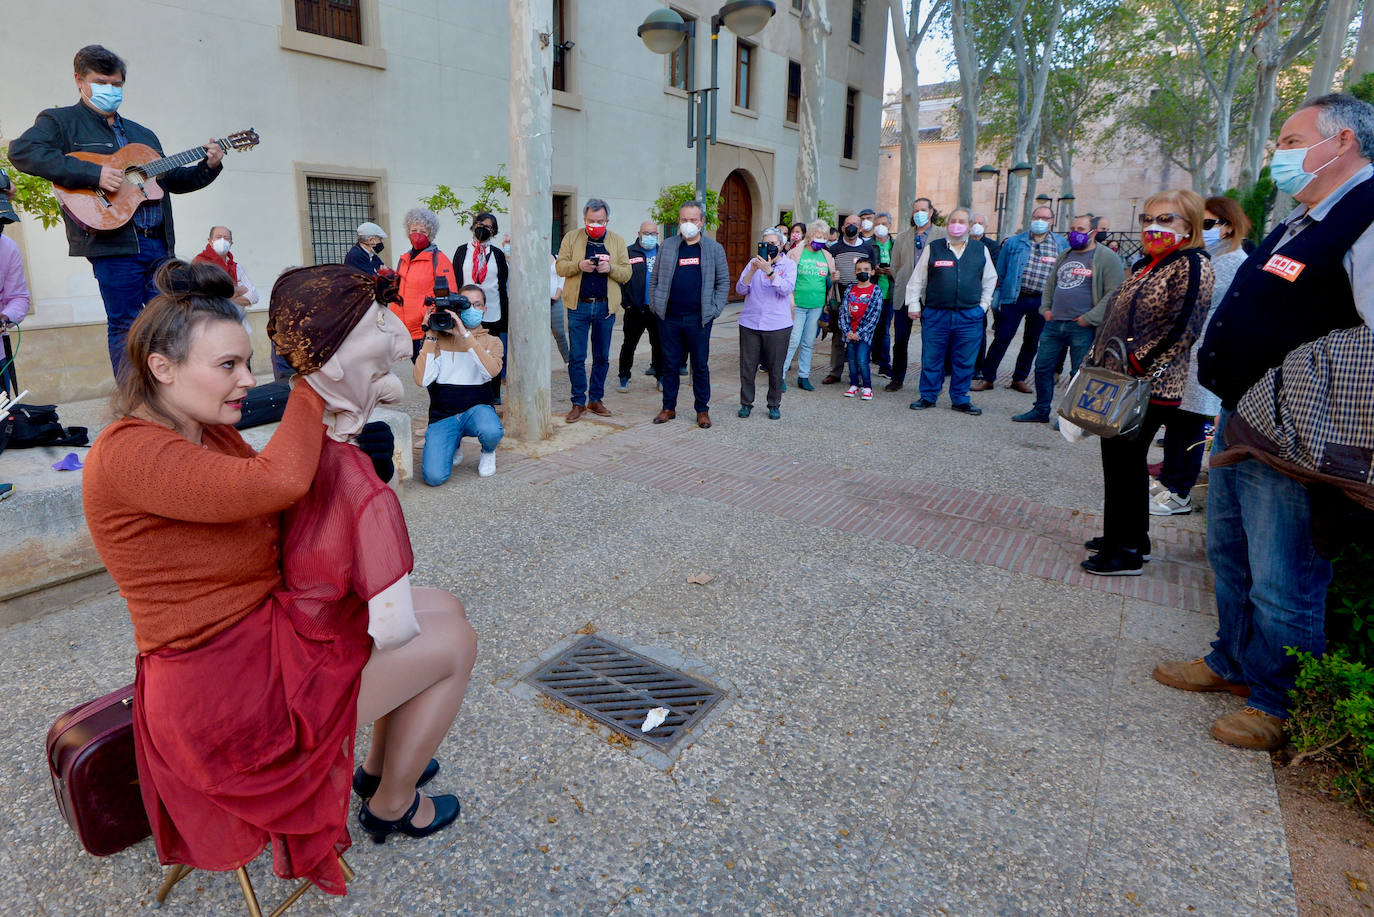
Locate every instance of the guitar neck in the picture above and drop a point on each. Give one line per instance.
(184, 158)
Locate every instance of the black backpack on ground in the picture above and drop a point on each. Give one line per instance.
(29, 426)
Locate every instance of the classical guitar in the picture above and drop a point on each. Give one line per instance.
(100, 211)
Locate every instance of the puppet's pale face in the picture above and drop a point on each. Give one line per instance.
(358, 376)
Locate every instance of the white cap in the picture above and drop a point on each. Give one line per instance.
(371, 229)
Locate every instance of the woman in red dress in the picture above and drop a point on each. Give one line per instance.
(247, 695)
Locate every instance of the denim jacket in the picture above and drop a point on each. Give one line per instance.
(1011, 261)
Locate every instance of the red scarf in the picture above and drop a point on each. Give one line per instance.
(226, 262)
(479, 263)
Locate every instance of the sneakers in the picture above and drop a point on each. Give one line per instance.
(745, 410)
(1097, 544)
(1196, 676)
(851, 391)
(1168, 503)
(1116, 563)
(804, 383)
(775, 414)
(866, 394)
(1031, 416)
(6, 491)
(457, 457)
(486, 465)
(624, 386)
(1250, 728)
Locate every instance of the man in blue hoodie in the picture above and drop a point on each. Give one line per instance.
(1024, 265)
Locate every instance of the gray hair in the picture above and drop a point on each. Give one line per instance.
(596, 203)
(818, 226)
(771, 231)
(425, 217)
(701, 208)
(1341, 110)
(883, 216)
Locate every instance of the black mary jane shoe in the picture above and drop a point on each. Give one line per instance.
(365, 785)
(446, 809)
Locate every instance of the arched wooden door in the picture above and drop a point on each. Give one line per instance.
(736, 233)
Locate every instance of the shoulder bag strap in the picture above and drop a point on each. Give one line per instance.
(1181, 323)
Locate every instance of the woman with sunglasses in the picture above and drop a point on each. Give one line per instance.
(1156, 314)
(1224, 227)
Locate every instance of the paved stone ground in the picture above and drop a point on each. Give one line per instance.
(935, 712)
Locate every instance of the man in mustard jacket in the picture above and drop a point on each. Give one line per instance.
(596, 263)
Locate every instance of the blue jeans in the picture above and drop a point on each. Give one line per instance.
(443, 437)
(858, 363)
(126, 286)
(1004, 325)
(803, 340)
(594, 320)
(1058, 337)
(952, 334)
(683, 336)
(1270, 581)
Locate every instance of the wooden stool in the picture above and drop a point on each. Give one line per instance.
(254, 909)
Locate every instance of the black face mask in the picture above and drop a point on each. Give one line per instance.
(851, 231)
(481, 232)
(862, 276)
(768, 250)
(378, 247)
(1101, 236)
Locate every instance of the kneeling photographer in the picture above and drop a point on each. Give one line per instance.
(457, 362)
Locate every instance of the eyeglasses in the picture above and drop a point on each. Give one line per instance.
(1163, 219)
(1212, 224)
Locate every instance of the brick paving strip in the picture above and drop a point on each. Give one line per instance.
(1002, 531)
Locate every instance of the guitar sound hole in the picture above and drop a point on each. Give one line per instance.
(135, 176)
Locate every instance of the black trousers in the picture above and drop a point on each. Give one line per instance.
(1183, 448)
(901, 341)
(638, 321)
(1126, 482)
(767, 349)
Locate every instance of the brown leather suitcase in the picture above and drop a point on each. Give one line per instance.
(95, 774)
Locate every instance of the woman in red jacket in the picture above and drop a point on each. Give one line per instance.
(418, 268)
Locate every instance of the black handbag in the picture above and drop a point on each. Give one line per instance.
(29, 426)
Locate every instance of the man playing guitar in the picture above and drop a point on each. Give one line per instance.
(124, 259)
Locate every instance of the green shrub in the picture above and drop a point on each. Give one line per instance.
(1332, 719)
(1350, 604)
(671, 198)
(1364, 88)
(32, 195)
(490, 197)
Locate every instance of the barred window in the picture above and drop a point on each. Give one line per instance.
(341, 19)
(337, 206)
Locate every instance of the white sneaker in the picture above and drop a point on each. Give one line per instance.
(1156, 488)
(851, 391)
(1169, 503)
(486, 465)
(866, 394)
(457, 457)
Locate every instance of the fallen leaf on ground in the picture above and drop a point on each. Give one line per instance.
(700, 579)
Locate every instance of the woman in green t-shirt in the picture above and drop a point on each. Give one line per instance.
(815, 273)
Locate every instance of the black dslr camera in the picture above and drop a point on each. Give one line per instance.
(446, 305)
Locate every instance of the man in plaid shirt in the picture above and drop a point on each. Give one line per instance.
(1024, 266)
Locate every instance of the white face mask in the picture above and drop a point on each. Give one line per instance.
(880, 231)
(977, 230)
(221, 245)
(689, 231)
(866, 225)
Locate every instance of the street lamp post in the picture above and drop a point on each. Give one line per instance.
(1065, 210)
(664, 30)
(1000, 201)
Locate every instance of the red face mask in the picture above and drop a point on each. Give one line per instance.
(419, 241)
(1157, 242)
(596, 233)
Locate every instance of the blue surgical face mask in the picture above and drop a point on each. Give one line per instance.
(649, 241)
(1211, 236)
(106, 97)
(1286, 167)
(1040, 227)
(471, 317)
(920, 217)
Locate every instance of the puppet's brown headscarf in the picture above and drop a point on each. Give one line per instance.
(313, 309)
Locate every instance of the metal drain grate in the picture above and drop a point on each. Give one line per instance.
(616, 687)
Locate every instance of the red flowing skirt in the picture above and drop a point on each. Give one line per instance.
(249, 739)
